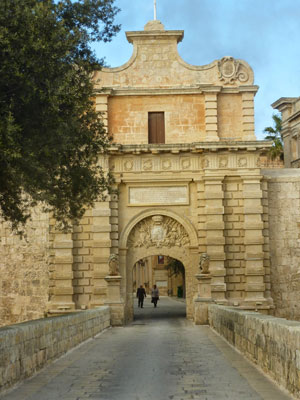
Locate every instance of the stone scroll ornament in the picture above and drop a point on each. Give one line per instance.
(204, 263)
(231, 70)
(158, 231)
(113, 264)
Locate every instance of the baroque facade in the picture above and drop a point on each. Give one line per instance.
(188, 181)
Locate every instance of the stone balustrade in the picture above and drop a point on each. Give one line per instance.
(27, 347)
(271, 343)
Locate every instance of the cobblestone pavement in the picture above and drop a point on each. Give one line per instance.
(160, 356)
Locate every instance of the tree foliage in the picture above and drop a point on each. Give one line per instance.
(274, 134)
(50, 133)
(175, 267)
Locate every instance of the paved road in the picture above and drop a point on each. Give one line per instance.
(160, 356)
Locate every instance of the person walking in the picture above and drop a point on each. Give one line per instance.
(155, 295)
(141, 294)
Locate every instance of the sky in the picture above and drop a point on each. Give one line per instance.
(265, 33)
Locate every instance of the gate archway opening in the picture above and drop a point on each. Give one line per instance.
(168, 274)
(158, 233)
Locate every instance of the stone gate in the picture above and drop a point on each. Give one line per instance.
(188, 181)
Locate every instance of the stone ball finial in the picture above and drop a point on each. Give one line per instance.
(154, 26)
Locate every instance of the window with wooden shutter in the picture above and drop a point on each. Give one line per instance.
(156, 127)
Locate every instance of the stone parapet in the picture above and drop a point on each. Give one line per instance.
(27, 347)
(271, 343)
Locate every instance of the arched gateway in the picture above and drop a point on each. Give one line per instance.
(158, 232)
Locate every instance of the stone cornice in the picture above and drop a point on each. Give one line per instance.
(154, 34)
(283, 103)
(197, 89)
(199, 147)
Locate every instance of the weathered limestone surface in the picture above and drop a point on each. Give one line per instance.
(283, 197)
(200, 190)
(24, 271)
(212, 102)
(290, 113)
(271, 343)
(27, 347)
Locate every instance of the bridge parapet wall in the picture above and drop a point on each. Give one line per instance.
(27, 347)
(271, 343)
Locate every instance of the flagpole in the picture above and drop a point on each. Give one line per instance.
(154, 10)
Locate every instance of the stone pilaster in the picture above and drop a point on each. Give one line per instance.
(114, 300)
(211, 116)
(102, 106)
(101, 250)
(202, 299)
(248, 116)
(254, 244)
(215, 241)
(266, 233)
(114, 221)
(61, 273)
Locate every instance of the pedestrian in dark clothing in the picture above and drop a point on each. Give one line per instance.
(154, 295)
(141, 294)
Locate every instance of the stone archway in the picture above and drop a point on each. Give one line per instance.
(158, 232)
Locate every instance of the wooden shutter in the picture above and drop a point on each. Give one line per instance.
(156, 127)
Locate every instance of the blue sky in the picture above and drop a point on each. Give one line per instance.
(265, 33)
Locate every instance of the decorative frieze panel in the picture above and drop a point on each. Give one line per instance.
(171, 163)
(231, 161)
(158, 231)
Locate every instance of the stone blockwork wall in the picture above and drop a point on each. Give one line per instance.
(234, 238)
(83, 260)
(283, 196)
(25, 348)
(272, 343)
(184, 118)
(230, 116)
(24, 275)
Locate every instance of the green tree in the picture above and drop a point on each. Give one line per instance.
(175, 268)
(50, 133)
(274, 134)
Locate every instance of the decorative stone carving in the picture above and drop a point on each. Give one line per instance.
(223, 162)
(231, 70)
(205, 163)
(113, 264)
(242, 162)
(166, 164)
(204, 263)
(147, 165)
(158, 231)
(186, 163)
(128, 165)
